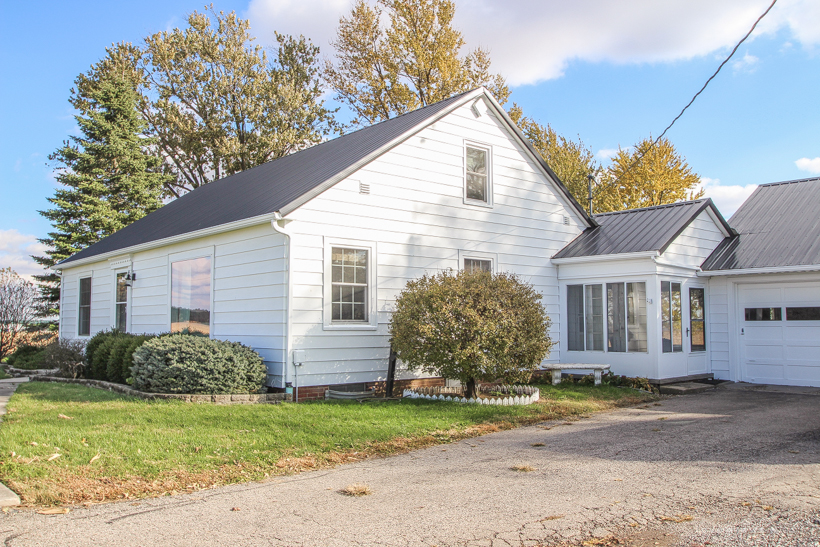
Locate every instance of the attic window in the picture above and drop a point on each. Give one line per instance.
(477, 175)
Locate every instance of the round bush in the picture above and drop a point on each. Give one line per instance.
(113, 370)
(99, 359)
(192, 364)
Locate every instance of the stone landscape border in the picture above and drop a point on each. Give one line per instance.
(516, 395)
(235, 399)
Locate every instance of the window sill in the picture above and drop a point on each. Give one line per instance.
(477, 203)
(350, 326)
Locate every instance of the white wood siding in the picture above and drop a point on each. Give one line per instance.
(695, 243)
(416, 216)
(717, 323)
(249, 294)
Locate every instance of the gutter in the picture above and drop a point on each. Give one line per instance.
(236, 225)
(278, 223)
(764, 270)
(604, 258)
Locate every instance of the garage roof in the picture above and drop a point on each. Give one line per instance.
(778, 226)
(638, 230)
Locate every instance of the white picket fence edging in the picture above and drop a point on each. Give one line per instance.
(509, 400)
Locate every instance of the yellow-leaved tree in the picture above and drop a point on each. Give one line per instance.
(382, 71)
(645, 176)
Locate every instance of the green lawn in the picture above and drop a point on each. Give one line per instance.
(143, 448)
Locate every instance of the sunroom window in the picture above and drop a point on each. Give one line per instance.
(625, 317)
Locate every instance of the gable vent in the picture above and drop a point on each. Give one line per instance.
(566, 221)
(364, 188)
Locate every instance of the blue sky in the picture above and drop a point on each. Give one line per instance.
(609, 72)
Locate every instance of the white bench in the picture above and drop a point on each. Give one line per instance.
(597, 370)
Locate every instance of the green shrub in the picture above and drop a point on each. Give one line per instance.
(27, 356)
(119, 349)
(99, 360)
(191, 364)
(66, 355)
(91, 347)
(128, 357)
(472, 327)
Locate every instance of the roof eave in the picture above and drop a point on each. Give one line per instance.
(239, 224)
(605, 258)
(761, 270)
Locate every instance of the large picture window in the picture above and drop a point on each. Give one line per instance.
(697, 319)
(671, 320)
(191, 295)
(349, 284)
(477, 174)
(625, 317)
(121, 303)
(84, 319)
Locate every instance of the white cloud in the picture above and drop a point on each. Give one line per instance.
(727, 198)
(811, 166)
(533, 41)
(748, 64)
(606, 154)
(16, 250)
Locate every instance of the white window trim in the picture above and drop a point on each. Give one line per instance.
(372, 322)
(478, 255)
(489, 203)
(202, 252)
(127, 301)
(85, 275)
(584, 283)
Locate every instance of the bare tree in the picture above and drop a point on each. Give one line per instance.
(19, 307)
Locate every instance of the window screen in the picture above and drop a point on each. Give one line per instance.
(575, 311)
(616, 328)
(671, 320)
(476, 265)
(84, 323)
(594, 309)
(636, 316)
(121, 312)
(697, 319)
(477, 173)
(349, 284)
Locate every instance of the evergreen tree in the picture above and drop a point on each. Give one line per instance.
(109, 177)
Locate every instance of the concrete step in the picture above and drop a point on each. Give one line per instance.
(685, 388)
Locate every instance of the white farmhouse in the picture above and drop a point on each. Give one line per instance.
(302, 258)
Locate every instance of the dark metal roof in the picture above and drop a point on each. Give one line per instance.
(778, 225)
(637, 230)
(266, 188)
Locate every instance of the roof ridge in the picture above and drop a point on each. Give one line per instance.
(795, 181)
(665, 205)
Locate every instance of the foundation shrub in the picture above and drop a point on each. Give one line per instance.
(182, 363)
(27, 356)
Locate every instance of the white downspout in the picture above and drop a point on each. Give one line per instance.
(278, 224)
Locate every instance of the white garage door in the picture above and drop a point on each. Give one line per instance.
(780, 336)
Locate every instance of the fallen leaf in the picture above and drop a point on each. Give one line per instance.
(33, 443)
(64, 417)
(54, 511)
(235, 509)
(767, 507)
(551, 517)
(93, 459)
(53, 457)
(679, 518)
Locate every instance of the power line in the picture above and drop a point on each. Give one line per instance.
(712, 77)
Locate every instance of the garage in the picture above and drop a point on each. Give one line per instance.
(763, 306)
(779, 339)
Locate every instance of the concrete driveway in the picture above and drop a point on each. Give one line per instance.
(727, 467)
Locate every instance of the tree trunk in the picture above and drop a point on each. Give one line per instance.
(471, 391)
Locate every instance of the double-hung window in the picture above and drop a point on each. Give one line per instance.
(121, 303)
(477, 176)
(623, 304)
(84, 319)
(349, 286)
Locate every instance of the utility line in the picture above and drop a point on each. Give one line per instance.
(712, 77)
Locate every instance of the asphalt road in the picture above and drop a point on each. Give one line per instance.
(727, 467)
